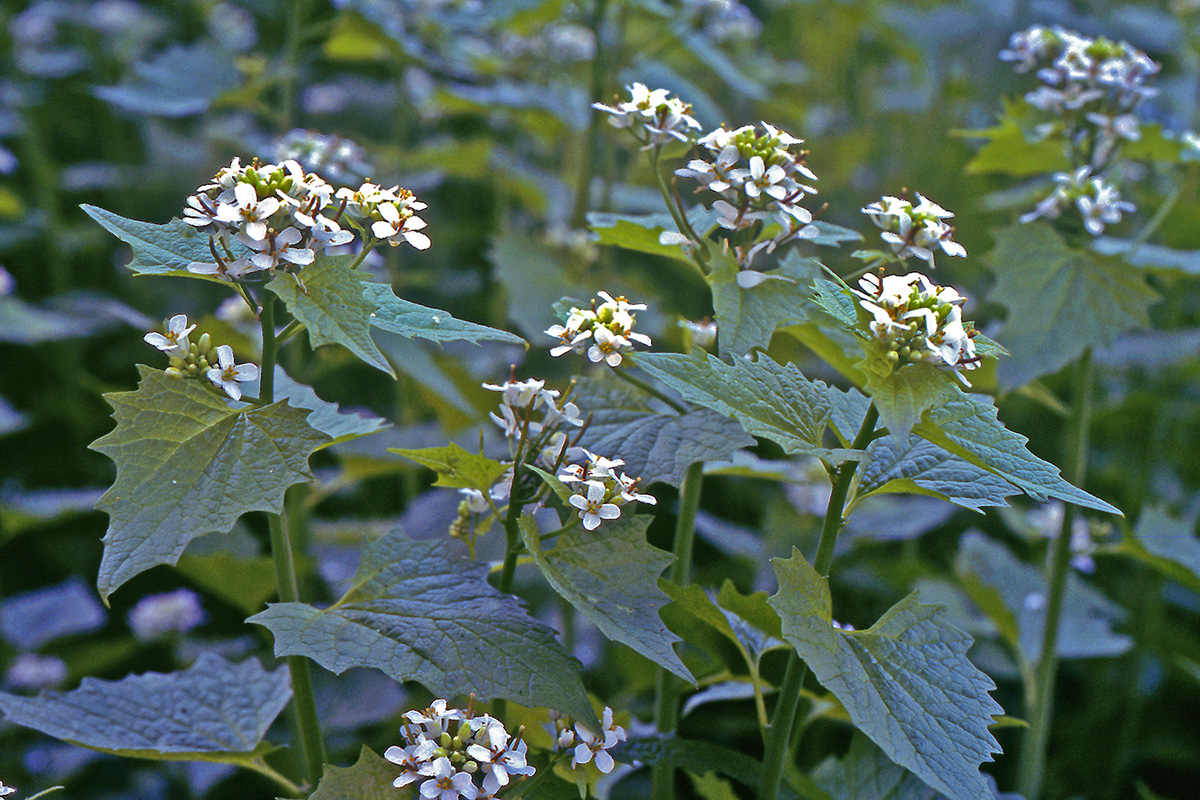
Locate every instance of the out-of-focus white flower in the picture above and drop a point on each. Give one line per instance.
(35, 672)
(1099, 202)
(175, 340)
(653, 116)
(1047, 520)
(227, 375)
(171, 612)
(914, 230)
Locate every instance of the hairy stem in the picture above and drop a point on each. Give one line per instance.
(780, 733)
(304, 706)
(1031, 772)
(666, 686)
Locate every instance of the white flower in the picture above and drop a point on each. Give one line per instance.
(248, 212)
(594, 507)
(596, 745)
(171, 612)
(35, 671)
(227, 375)
(400, 224)
(277, 247)
(914, 230)
(175, 340)
(661, 116)
(446, 783)
(5, 790)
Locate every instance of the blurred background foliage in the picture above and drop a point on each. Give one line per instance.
(482, 108)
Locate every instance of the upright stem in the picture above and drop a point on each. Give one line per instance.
(780, 734)
(304, 705)
(666, 687)
(1033, 747)
(296, 14)
(512, 550)
(587, 170)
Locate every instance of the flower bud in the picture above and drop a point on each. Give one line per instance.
(174, 372)
(205, 343)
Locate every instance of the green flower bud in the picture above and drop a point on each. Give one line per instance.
(205, 343)
(174, 372)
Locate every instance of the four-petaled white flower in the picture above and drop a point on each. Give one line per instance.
(914, 230)
(593, 506)
(175, 340)
(248, 212)
(227, 375)
(5, 790)
(446, 783)
(595, 746)
(400, 224)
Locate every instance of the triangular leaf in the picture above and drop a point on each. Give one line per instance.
(748, 318)
(901, 396)
(333, 306)
(865, 773)
(457, 468)
(189, 465)
(922, 467)
(1009, 151)
(655, 445)
(161, 249)
(1061, 301)
(610, 576)
(640, 233)
(1168, 544)
(369, 779)
(328, 418)
(213, 710)
(419, 614)
(415, 321)
(968, 426)
(905, 682)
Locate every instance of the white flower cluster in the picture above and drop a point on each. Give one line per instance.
(918, 321)
(338, 160)
(914, 230)
(588, 746)
(286, 216)
(171, 612)
(519, 400)
(192, 360)
(721, 20)
(1098, 201)
(454, 754)
(604, 332)
(5, 790)
(600, 490)
(654, 117)
(759, 180)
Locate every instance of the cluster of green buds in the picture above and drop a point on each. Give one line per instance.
(200, 359)
(604, 332)
(917, 322)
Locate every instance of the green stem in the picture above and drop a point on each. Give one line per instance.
(587, 170)
(304, 706)
(780, 733)
(1031, 772)
(678, 215)
(666, 687)
(675, 405)
(512, 550)
(296, 13)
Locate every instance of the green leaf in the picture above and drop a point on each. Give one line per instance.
(770, 400)
(865, 773)
(534, 279)
(989, 572)
(328, 418)
(333, 306)
(640, 233)
(1168, 544)
(905, 682)
(161, 249)
(189, 465)
(369, 779)
(1061, 301)
(921, 467)
(836, 301)
(610, 576)
(656, 445)
(214, 710)
(1009, 151)
(246, 582)
(183, 80)
(835, 235)
(748, 318)
(456, 468)
(903, 395)
(415, 321)
(1165, 261)
(417, 613)
(968, 426)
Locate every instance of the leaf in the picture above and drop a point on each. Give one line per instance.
(534, 279)
(902, 396)
(183, 80)
(610, 576)
(246, 582)
(189, 465)
(333, 306)
(769, 400)
(1085, 630)
(22, 323)
(834, 235)
(1061, 301)
(31, 619)
(417, 613)
(328, 418)
(905, 682)
(214, 710)
(1010, 152)
(369, 779)
(921, 467)
(640, 233)
(865, 773)
(656, 445)
(415, 321)
(748, 318)
(1166, 261)
(836, 301)
(456, 468)
(968, 426)
(160, 249)
(1168, 544)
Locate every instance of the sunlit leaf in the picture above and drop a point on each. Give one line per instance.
(370, 778)
(905, 682)
(920, 466)
(188, 464)
(1010, 151)
(418, 613)
(457, 468)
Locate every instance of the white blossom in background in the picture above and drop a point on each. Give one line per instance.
(914, 230)
(451, 753)
(1047, 520)
(5, 790)
(519, 400)
(174, 341)
(34, 671)
(1099, 202)
(338, 160)
(7, 285)
(759, 179)
(599, 489)
(653, 116)
(226, 375)
(918, 322)
(171, 612)
(603, 332)
(587, 745)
